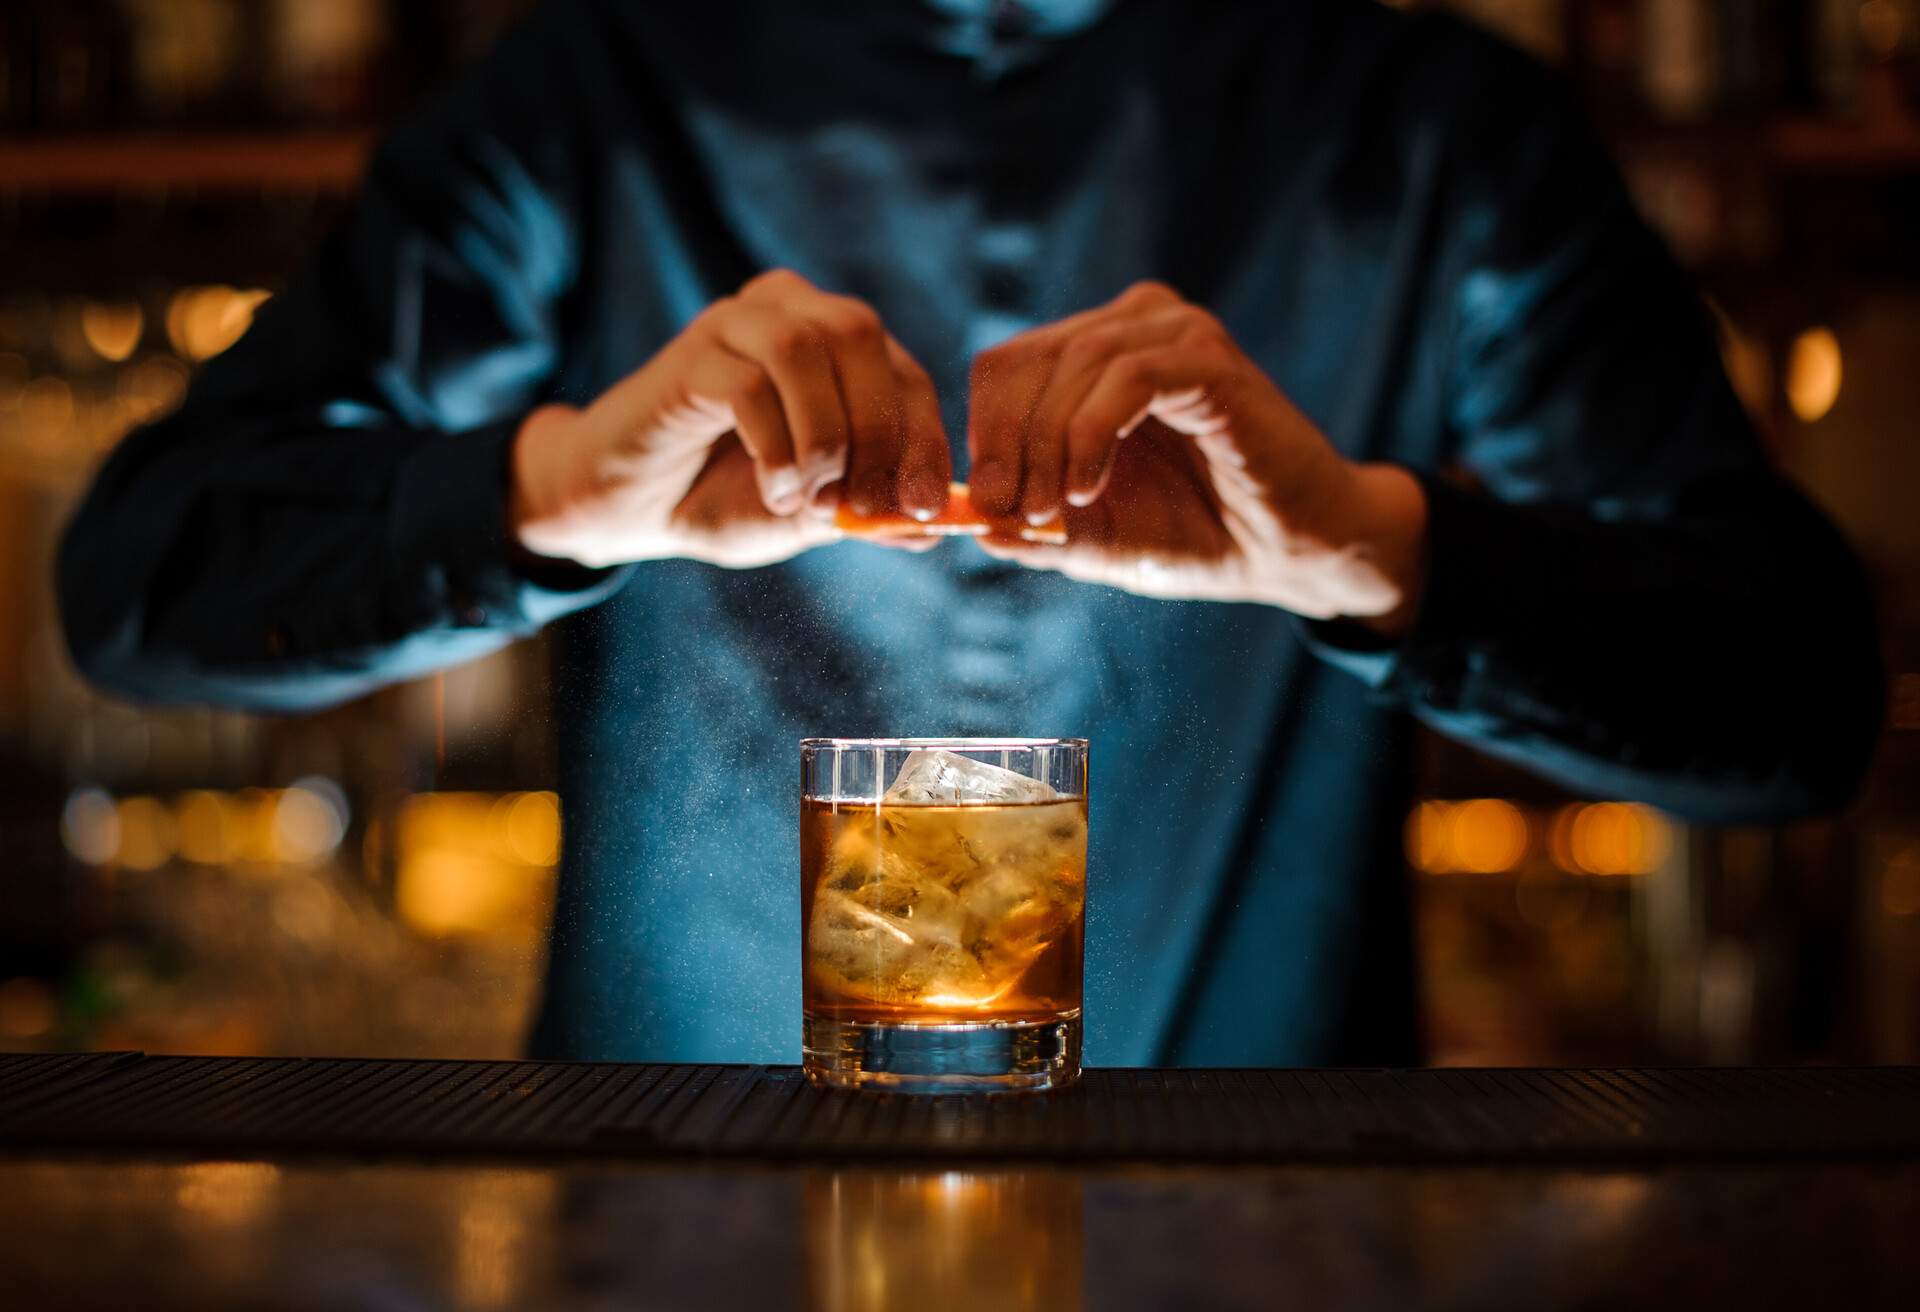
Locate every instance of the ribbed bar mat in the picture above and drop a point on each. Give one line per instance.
(127, 1101)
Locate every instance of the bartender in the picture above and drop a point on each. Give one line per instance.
(1328, 329)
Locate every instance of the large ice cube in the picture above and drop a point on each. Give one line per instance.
(946, 907)
(934, 776)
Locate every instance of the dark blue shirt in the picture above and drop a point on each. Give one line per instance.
(1400, 220)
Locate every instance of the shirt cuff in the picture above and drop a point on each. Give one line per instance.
(450, 530)
(1490, 567)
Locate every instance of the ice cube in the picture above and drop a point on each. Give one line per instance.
(887, 929)
(895, 941)
(945, 907)
(931, 776)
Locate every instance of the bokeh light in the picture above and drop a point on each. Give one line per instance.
(204, 321)
(1609, 838)
(309, 821)
(204, 827)
(473, 863)
(1488, 836)
(1426, 836)
(146, 834)
(112, 328)
(90, 826)
(533, 828)
(1484, 836)
(441, 891)
(1813, 374)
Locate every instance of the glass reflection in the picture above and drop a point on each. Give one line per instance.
(928, 1239)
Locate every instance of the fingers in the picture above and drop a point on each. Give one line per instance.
(861, 414)
(1162, 537)
(1006, 382)
(794, 353)
(1057, 474)
(1172, 382)
(1025, 390)
(719, 516)
(752, 408)
(857, 345)
(926, 465)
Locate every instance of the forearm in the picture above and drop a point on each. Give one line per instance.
(296, 567)
(1718, 659)
(1384, 539)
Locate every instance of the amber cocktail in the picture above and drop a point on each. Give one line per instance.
(942, 904)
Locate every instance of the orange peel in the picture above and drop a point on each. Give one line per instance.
(959, 519)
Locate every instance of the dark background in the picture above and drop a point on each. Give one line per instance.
(375, 879)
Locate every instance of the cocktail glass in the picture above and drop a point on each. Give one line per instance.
(942, 909)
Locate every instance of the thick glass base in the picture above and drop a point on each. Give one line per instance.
(1006, 1057)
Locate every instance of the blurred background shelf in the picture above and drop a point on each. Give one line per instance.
(323, 161)
(332, 160)
(1817, 146)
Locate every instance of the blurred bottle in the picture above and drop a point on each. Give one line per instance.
(1890, 34)
(1680, 68)
(328, 60)
(191, 59)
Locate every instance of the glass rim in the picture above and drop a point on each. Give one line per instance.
(952, 744)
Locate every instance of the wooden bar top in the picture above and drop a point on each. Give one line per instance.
(214, 1183)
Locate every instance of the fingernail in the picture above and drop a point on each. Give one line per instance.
(1039, 517)
(822, 470)
(923, 496)
(783, 488)
(1081, 499)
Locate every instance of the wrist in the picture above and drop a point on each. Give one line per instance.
(1388, 538)
(538, 477)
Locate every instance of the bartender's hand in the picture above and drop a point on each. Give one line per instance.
(1183, 471)
(735, 442)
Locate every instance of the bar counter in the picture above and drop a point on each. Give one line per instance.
(129, 1180)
